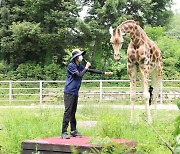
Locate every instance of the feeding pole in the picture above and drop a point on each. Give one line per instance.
(159, 136)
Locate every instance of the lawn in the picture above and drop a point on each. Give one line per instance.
(18, 125)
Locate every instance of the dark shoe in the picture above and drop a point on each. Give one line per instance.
(75, 133)
(65, 135)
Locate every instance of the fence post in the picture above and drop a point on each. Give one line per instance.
(10, 93)
(100, 90)
(161, 92)
(40, 92)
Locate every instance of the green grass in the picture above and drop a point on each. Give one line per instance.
(25, 124)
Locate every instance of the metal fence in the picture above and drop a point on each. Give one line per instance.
(52, 91)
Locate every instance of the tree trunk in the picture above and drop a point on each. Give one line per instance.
(97, 53)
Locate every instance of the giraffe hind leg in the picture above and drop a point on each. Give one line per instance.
(156, 82)
(146, 94)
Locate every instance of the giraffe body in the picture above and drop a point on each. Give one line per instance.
(143, 58)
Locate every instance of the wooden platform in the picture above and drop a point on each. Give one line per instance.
(57, 145)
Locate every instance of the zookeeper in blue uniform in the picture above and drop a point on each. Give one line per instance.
(75, 72)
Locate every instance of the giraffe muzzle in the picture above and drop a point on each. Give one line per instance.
(117, 57)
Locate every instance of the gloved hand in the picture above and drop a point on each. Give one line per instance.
(88, 64)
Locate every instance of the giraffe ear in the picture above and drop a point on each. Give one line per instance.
(123, 33)
(111, 30)
(119, 31)
(137, 23)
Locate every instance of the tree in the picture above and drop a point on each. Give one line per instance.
(173, 28)
(56, 20)
(104, 13)
(23, 44)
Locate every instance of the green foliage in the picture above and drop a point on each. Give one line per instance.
(173, 29)
(32, 71)
(177, 134)
(109, 126)
(25, 30)
(4, 67)
(24, 43)
(104, 13)
(154, 33)
(28, 71)
(119, 69)
(177, 124)
(30, 30)
(178, 103)
(177, 130)
(23, 124)
(100, 141)
(171, 58)
(109, 147)
(35, 31)
(115, 148)
(54, 72)
(170, 48)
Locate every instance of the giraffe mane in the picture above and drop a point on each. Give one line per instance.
(134, 22)
(129, 21)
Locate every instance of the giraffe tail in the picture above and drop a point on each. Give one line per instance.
(150, 91)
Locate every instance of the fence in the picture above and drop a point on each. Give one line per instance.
(51, 91)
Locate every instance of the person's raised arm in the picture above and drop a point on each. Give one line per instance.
(80, 74)
(98, 71)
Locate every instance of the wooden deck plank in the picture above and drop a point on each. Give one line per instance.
(56, 145)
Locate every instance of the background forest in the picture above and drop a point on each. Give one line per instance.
(37, 36)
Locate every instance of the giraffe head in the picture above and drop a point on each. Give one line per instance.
(117, 41)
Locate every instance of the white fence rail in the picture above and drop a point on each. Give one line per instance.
(51, 91)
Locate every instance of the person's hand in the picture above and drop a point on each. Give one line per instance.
(88, 64)
(108, 73)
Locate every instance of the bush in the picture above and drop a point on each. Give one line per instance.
(29, 71)
(54, 72)
(170, 51)
(154, 32)
(33, 71)
(4, 67)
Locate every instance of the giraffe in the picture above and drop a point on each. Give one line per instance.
(143, 59)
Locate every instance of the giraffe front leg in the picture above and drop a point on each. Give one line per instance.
(132, 98)
(132, 76)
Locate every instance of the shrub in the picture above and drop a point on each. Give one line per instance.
(29, 71)
(54, 72)
(170, 51)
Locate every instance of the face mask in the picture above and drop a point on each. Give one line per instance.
(80, 58)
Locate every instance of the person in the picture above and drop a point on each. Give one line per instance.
(75, 72)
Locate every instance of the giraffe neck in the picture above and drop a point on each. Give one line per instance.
(133, 30)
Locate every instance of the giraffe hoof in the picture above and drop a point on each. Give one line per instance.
(149, 121)
(131, 121)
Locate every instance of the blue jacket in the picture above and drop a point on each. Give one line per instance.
(73, 80)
